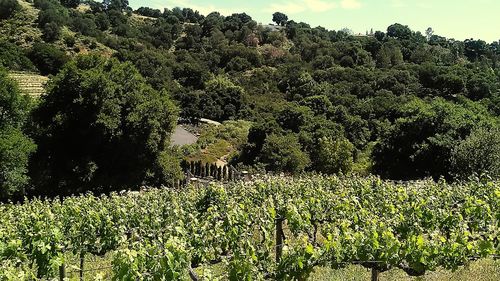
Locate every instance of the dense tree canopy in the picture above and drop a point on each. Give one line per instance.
(421, 142)
(7, 8)
(282, 153)
(478, 154)
(100, 127)
(401, 103)
(13, 57)
(15, 147)
(280, 18)
(47, 58)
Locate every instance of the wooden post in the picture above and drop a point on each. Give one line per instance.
(224, 173)
(213, 169)
(82, 260)
(230, 173)
(198, 169)
(62, 272)
(375, 274)
(279, 239)
(219, 173)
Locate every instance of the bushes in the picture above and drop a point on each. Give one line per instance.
(51, 18)
(13, 57)
(84, 24)
(420, 143)
(51, 32)
(334, 156)
(478, 154)
(282, 153)
(101, 127)
(15, 147)
(222, 99)
(70, 3)
(47, 58)
(7, 8)
(69, 40)
(53, 13)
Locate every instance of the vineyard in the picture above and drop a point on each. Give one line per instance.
(30, 83)
(273, 228)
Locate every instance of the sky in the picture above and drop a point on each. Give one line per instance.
(458, 19)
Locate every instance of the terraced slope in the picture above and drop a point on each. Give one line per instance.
(30, 83)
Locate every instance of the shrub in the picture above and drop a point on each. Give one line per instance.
(478, 154)
(282, 153)
(8, 8)
(69, 40)
(51, 32)
(13, 57)
(47, 58)
(334, 156)
(15, 147)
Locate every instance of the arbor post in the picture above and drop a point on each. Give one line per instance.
(82, 260)
(279, 239)
(62, 272)
(375, 274)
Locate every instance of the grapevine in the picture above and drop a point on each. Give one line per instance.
(271, 228)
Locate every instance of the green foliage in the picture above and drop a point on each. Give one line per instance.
(289, 79)
(420, 143)
(8, 8)
(478, 154)
(168, 167)
(84, 24)
(14, 57)
(52, 12)
(15, 147)
(102, 21)
(334, 156)
(51, 32)
(69, 40)
(148, 12)
(399, 31)
(102, 127)
(222, 100)
(330, 222)
(222, 141)
(47, 58)
(152, 262)
(70, 3)
(389, 55)
(280, 18)
(118, 5)
(294, 117)
(233, 131)
(283, 153)
(155, 66)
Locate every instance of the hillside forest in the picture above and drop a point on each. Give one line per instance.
(292, 98)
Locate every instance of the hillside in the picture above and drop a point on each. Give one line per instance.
(292, 98)
(21, 28)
